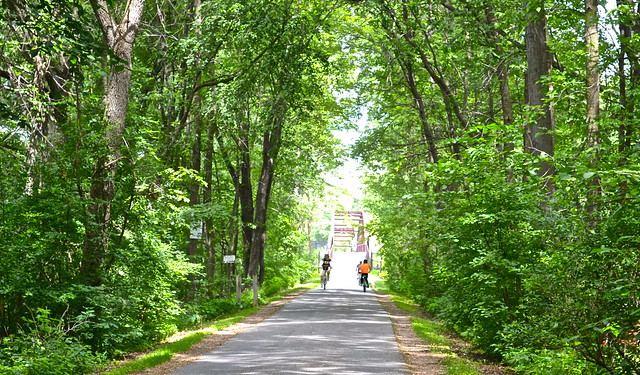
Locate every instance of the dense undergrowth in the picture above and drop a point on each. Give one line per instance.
(543, 286)
(46, 345)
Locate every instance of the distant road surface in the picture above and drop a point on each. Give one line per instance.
(341, 330)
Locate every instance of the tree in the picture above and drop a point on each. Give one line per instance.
(119, 38)
(539, 139)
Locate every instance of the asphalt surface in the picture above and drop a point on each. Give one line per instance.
(340, 330)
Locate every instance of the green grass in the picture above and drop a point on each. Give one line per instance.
(460, 366)
(402, 302)
(432, 332)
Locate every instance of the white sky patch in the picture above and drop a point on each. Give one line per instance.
(348, 177)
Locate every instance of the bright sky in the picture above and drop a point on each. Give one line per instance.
(348, 177)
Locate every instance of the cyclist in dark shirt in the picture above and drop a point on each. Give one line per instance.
(326, 266)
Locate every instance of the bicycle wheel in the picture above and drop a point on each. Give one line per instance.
(365, 284)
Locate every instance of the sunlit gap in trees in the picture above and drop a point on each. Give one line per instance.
(346, 180)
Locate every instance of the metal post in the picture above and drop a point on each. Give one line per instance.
(238, 288)
(255, 290)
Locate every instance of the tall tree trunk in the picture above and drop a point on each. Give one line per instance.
(539, 139)
(451, 105)
(593, 73)
(502, 71)
(207, 198)
(232, 230)
(592, 42)
(245, 193)
(406, 64)
(270, 148)
(194, 185)
(119, 39)
(427, 131)
(628, 85)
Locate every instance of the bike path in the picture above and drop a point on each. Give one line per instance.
(333, 331)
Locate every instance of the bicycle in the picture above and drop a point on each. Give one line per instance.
(323, 279)
(364, 281)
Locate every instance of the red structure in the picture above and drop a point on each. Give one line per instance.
(348, 233)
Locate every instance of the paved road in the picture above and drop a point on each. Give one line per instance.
(340, 330)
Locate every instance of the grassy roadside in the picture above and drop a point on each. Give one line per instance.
(186, 340)
(435, 335)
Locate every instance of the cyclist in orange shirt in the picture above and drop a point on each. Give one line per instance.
(365, 268)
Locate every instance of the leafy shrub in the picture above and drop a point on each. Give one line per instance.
(216, 308)
(274, 285)
(549, 362)
(46, 349)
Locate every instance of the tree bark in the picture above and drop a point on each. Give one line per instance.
(593, 73)
(270, 148)
(207, 198)
(245, 193)
(592, 42)
(539, 139)
(628, 85)
(119, 39)
(502, 71)
(194, 185)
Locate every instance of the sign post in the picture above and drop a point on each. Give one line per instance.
(229, 260)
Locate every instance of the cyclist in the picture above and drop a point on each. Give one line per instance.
(364, 268)
(326, 267)
(358, 270)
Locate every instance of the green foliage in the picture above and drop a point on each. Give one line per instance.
(47, 349)
(216, 308)
(550, 362)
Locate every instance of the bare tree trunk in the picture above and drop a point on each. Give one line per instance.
(270, 148)
(233, 232)
(502, 71)
(406, 65)
(119, 38)
(592, 42)
(628, 85)
(539, 139)
(206, 198)
(246, 201)
(593, 73)
(427, 131)
(194, 186)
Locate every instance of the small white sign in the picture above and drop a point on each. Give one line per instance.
(196, 232)
(229, 258)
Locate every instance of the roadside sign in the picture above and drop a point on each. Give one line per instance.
(229, 258)
(196, 231)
